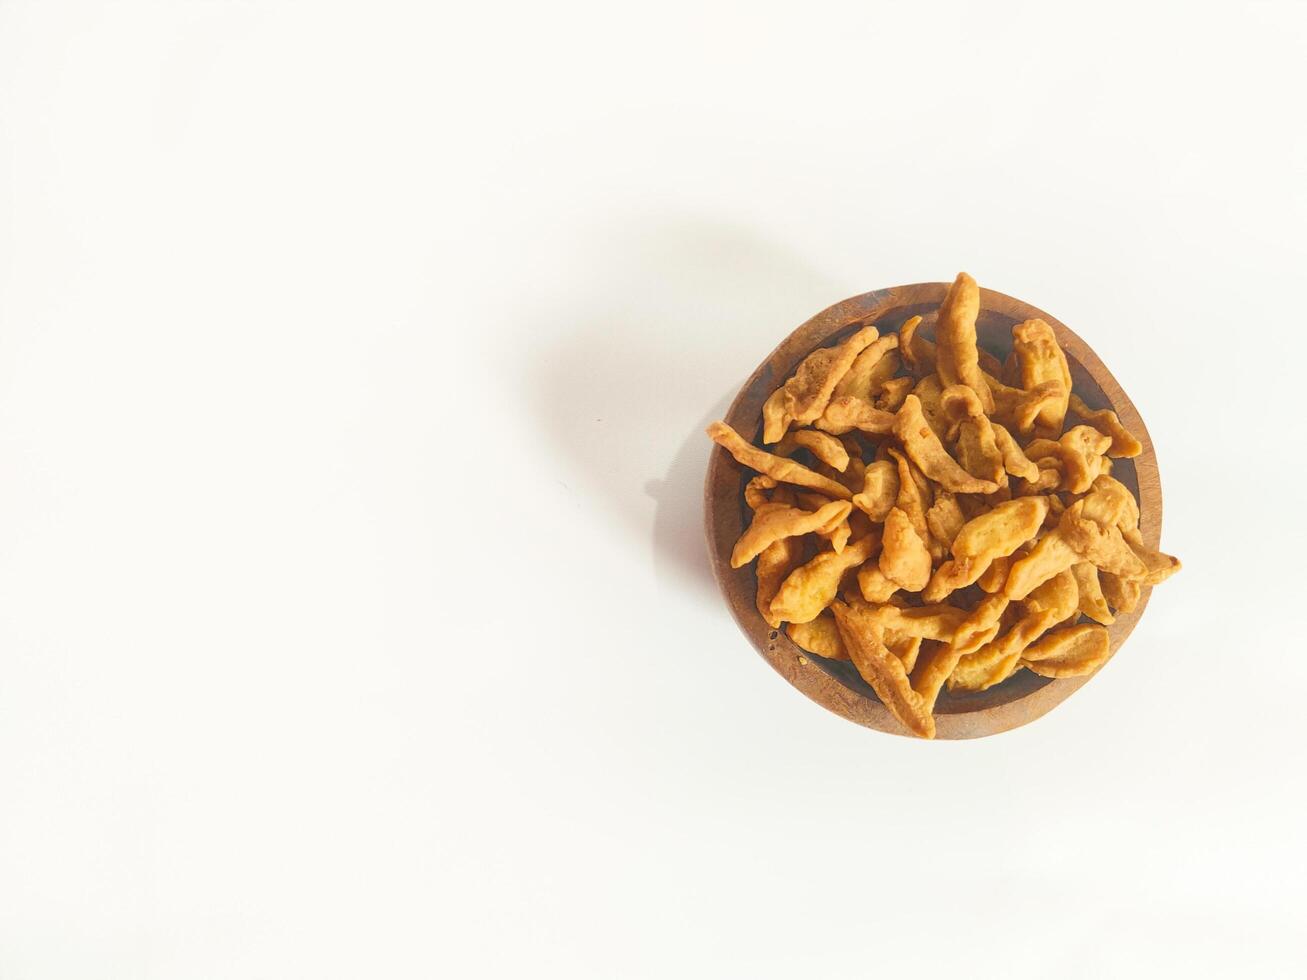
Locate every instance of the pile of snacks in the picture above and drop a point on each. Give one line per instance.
(928, 513)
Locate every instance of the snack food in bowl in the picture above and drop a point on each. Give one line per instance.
(941, 518)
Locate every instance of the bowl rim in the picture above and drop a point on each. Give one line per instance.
(723, 487)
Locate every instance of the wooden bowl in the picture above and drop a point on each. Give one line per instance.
(836, 684)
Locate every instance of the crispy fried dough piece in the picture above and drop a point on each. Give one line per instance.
(956, 356)
(1158, 566)
(776, 421)
(997, 660)
(978, 628)
(756, 490)
(880, 488)
(1080, 449)
(914, 493)
(992, 535)
(929, 391)
(809, 389)
(1050, 556)
(937, 622)
(860, 523)
(903, 557)
(917, 351)
(945, 518)
(1059, 597)
(903, 646)
(1090, 591)
(892, 394)
(1040, 361)
(1124, 445)
(821, 636)
(1121, 594)
(1070, 652)
(863, 640)
(824, 446)
(992, 578)
(775, 563)
(810, 588)
(848, 413)
(873, 585)
(978, 452)
(957, 403)
(773, 522)
(777, 467)
(925, 449)
(1019, 408)
(1014, 460)
(1102, 545)
(863, 376)
(1111, 502)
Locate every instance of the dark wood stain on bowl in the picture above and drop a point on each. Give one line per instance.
(836, 685)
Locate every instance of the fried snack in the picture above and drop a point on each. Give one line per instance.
(825, 447)
(880, 488)
(959, 522)
(811, 588)
(956, 358)
(1124, 445)
(903, 558)
(1041, 361)
(777, 467)
(936, 622)
(848, 413)
(1090, 591)
(991, 535)
(892, 394)
(1014, 460)
(945, 518)
(916, 350)
(775, 563)
(864, 641)
(868, 371)
(873, 584)
(775, 521)
(821, 636)
(1070, 652)
(809, 389)
(925, 449)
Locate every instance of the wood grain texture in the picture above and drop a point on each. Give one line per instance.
(836, 685)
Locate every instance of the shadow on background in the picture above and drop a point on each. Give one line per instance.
(676, 316)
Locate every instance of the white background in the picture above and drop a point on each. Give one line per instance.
(354, 615)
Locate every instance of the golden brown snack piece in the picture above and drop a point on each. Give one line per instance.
(775, 563)
(776, 421)
(1070, 652)
(937, 622)
(873, 584)
(1014, 460)
(1081, 449)
(774, 522)
(956, 356)
(917, 351)
(978, 452)
(809, 389)
(903, 646)
(1050, 556)
(945, 518)
(892, 394)
(868, 369)
(821, 636)
(756, 491)
(1020, 408)
(1059, 598)
(1121, 594)
(777, 467)
(880, 488)
(1158, 566)
(914, 493)
(824, 446)
(998, 659)
(992, 578)
(848, 413)
(1090, 590)
(976, 630)
(1124, 445)
(992, 535)
(925, 449)
(903, 557)
(1102, 545)
(1041, 361)
(810, 588)
(929, 392)
(863, 640)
